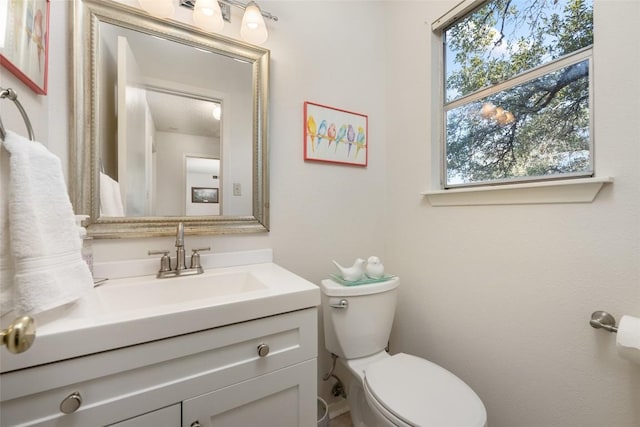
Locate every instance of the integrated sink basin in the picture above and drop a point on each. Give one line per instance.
(133, 310)
(142, 293)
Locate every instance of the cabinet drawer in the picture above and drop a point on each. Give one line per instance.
(124, 383)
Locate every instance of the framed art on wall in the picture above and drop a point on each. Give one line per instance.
(24, 41)
(204, 195)
(335, 136)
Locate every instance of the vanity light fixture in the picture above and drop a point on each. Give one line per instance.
(253, 28)
(210, 15)
(497, 114)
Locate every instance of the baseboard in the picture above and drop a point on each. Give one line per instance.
(338, 408)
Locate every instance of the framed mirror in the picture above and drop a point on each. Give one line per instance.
(168, 125)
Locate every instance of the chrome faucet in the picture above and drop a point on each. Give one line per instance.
(181, 265)
(180, 261)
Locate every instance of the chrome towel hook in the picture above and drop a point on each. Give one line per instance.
(13, 96)
(603, 320)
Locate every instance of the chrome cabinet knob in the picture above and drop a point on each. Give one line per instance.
(71, 403)
(263, 350)
(20, 334)
(196, 424)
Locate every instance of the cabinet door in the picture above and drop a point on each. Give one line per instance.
(284, 398)
(165, 417)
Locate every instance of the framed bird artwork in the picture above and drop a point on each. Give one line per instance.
(24, 41)
(333, 135)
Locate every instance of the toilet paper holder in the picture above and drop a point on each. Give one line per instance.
(603, 320)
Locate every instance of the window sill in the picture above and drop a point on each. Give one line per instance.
(582, 190)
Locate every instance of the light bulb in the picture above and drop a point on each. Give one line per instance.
(510, 118)
(158, 8)
(488, 110)
(207, 15)
(253, 29)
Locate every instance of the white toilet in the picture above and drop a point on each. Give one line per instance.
(398, 390)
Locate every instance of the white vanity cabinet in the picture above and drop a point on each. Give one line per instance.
(257, 372)
(269, 400)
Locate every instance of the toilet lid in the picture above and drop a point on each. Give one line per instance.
(421, 393)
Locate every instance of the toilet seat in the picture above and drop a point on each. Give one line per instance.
(417, 392)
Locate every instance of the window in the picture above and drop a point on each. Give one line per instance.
(517, 92)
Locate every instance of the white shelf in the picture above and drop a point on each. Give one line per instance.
(581, 190)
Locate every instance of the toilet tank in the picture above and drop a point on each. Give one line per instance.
(363, 326)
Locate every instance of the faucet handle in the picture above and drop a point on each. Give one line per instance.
(195, 257)
(208, 248)
(165, 261)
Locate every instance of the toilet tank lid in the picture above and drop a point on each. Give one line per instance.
(421, 393)
(334, 289)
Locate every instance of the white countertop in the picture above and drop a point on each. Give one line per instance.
(117, 314)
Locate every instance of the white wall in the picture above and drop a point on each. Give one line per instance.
(319, 211)
(500, 295)
(171, 149)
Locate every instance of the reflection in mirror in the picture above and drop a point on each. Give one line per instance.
(164, 113)
(203, 186)
(172, 110)
(186, 134)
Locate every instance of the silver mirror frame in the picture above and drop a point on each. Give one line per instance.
(84, 160)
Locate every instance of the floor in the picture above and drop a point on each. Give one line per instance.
(343, 420)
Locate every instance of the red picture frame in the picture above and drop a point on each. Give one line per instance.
(333, 135)
(25, 52)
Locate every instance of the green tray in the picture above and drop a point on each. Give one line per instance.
(365, 281)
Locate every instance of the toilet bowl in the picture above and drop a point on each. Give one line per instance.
(390, 390)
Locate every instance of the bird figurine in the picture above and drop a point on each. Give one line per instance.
(353, 273)
(375, 268)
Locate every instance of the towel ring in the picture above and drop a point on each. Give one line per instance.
(13, 96)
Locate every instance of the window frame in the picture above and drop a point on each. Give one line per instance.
(438, 29)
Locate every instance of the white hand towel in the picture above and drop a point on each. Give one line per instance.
(43, 239)
(110, 197)
(6, 259)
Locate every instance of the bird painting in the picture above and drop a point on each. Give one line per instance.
(311, 129)
(360, 139)
(331, 133)
(324, 125)
(351, 137)
(322, 131)
(341, 133)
